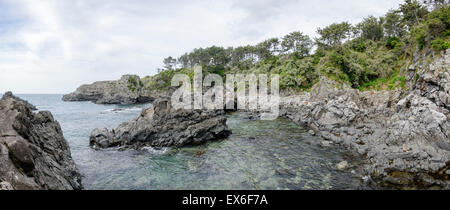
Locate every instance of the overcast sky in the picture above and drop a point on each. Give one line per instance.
(53, 46)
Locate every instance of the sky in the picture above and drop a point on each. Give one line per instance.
(54, 46)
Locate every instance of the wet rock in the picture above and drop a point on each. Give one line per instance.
(325, 143)
(342, 165)
(128, 90)
(164, 126)
(33, 151)
(312, 133)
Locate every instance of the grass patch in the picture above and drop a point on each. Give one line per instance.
(390, 83)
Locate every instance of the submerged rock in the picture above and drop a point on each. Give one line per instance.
(33, 151)
(164, 126)
(128, 90)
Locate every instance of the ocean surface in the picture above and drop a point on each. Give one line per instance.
(258, 155)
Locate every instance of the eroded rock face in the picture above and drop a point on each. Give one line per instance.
(404, 134)
(10, 95)
(33, 151)
(127, 90)
(164, 126)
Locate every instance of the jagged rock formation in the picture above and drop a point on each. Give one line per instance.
(404, 134)
(10, 95)
(164, 126)
(127, 90)
(33, 151)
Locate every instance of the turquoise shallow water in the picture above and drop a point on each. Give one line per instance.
(258, 155)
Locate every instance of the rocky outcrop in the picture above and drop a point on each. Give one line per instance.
(128, 90)
(26, 103)
(404, 135)
(33, 151)
(164, 126)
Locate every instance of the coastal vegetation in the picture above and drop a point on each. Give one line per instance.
(369, 55)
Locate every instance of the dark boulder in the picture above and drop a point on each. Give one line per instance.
(164, 126)
(33, 151)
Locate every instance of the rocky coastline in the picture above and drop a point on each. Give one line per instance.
(127, 90)
(34, 155)
(403, 135)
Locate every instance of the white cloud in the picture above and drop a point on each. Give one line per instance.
(61, 44)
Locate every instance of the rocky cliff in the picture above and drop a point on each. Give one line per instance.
(127, 90)
(404, 135)
(164, 126)
(33, 152)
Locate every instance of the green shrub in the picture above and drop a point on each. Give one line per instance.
(420, 34)
(435, 27)
(439, 44)
(392, 42)
(399, 48)
(336, 58)
(320, 53)
(359, 44)
(446, 33)
(133, 81)
(442, 14)
(297, 74)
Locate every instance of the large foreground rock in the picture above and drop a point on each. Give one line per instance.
(33, 151)
(404, 135)
(128, 90)
(164, 126)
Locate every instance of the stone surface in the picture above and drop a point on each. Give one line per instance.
(127, 90)
(164, 126)
(404, 135)
(342, 165)
(33, 151)
(6, 186)
(26, 103)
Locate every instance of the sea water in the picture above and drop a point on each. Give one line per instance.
(258, 155)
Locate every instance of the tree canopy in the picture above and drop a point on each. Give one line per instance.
(371, 28)
(297, 43)
(357, 54)
(334, 34)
